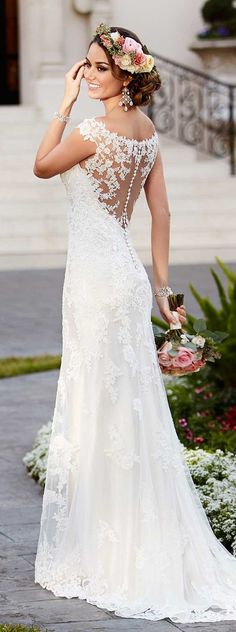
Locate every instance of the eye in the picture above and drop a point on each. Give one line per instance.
(102, 68)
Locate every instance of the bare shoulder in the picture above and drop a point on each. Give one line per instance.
(133, 124)
(147, 122)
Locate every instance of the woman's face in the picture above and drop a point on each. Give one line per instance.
(97, 73)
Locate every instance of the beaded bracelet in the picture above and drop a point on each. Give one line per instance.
(60, 117)
(163, 291)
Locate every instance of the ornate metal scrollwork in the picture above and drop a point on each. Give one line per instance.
(196, 109)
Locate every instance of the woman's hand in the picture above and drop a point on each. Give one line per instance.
(167, 314)
(72, 82)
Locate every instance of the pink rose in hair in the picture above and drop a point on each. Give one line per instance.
(105, 40)
(131, 46)
(139, 59)
(117, 59)
(184, 358)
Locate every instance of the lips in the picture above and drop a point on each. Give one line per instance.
(93, 85)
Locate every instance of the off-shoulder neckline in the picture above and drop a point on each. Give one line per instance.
(126, 138)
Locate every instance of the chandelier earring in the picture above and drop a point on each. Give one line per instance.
(126, 100)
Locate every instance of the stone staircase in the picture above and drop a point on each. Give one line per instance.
(200, 190)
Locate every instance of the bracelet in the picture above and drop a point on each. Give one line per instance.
(163, 291)
(60, 117)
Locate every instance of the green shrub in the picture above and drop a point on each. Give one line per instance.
(224, 318)
(217, 11)
(221, 16)
(203, 405)
(203, 414)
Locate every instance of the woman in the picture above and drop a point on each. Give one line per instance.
(122, 525)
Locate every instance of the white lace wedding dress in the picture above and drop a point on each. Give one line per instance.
(122, 525)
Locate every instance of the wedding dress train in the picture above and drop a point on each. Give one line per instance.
(122, 525)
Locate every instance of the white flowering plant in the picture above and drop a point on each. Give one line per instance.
(214, 475)
(36, 459)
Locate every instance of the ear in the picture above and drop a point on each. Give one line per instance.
(127, 81)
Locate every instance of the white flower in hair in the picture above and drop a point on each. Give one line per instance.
(115, 36)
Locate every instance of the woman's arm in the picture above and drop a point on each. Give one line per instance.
(155, 191)
(156, 195)
(54, 156)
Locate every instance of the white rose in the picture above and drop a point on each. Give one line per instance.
(149, 63)
(199, 341)
(184, 339)
(125, 60)
(115, 36)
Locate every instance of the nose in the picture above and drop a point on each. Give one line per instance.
(89, 73)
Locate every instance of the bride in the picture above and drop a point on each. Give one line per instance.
(122, 525)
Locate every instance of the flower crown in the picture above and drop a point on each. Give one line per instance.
(125, 51)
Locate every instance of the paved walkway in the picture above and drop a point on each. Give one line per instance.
(31, 321)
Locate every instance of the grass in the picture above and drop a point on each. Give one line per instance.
(8, 627)
(10, 367)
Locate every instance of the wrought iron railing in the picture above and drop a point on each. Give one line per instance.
(196, 109)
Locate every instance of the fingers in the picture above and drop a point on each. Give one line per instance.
(168, 316)
(182, 314)
(75, 68)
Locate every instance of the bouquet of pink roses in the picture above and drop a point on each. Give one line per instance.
(180, 353)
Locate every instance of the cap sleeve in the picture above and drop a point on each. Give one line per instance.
(88, 129)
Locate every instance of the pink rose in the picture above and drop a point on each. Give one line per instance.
(164, 358)
(117, 59)
(105, 40)
(184, 358)
(139, 59)
(131, 46)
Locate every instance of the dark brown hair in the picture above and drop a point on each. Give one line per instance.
(143, 84)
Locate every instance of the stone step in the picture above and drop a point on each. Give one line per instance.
(17, 114)
(33, 191)
(48, 242)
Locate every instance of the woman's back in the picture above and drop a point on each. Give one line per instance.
(119, 167)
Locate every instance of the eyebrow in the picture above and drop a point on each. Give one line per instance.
(98, 62)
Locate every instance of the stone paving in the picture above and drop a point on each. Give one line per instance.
(26, 402)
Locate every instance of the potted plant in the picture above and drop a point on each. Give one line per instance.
(220, 16)
(216, 44)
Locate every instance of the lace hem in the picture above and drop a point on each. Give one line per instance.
(117, 603)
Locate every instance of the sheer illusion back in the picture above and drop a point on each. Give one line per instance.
(119, 167)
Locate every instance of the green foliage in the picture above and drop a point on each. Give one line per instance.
(203, 414)
(217, 11)
(221, 16)
(8, 627)
(10, 367)
(223, 319)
